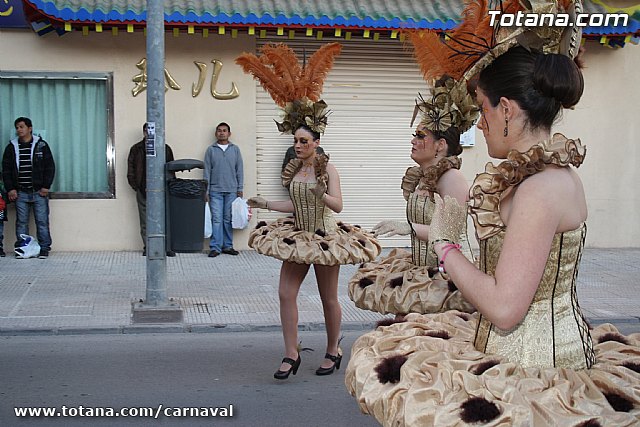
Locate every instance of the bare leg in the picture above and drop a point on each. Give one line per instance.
(291, 277)
(327, 277)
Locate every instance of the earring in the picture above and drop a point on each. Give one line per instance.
(436, 155)
(506, 127)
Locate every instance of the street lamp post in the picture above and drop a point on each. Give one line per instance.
(156, 308)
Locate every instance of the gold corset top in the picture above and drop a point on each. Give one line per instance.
(553, 331)
(420, 207)
(310, 214)
(420, 211)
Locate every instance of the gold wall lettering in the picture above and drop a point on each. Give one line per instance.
(234, 93)
(7, 12)
(141, 79)
(197, 87)
(217, 68)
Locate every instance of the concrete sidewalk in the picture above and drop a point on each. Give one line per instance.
(92, 292)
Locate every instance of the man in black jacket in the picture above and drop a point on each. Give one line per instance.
(28, 170)
(137, 178)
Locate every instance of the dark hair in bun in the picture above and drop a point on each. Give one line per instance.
(540, 83)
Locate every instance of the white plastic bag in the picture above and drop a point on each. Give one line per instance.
(29, 247)
(207, 221)
(240, 214)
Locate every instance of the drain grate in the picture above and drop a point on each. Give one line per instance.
(202, 307)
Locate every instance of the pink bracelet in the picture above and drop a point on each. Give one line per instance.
(446, 248)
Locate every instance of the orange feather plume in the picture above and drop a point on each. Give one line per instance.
(565, 4)
(463, 46)
(316, 71)
(271, 82)
(285, 65)
(279, 72)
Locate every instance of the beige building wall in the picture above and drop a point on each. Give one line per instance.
(606, 120)
(190, 122)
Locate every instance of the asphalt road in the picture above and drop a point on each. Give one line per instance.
(176, 371)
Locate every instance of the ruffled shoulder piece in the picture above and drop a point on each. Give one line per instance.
(488, 187)
(320, 167)
(290, 171)
(415, 177)
(294, 165)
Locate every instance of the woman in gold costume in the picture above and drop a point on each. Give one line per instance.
(528, 358)
(312, 236)
(409, 282)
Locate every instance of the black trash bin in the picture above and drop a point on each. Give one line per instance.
(185, 200)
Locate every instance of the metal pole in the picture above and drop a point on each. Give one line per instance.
(156, 252)
(156, 308)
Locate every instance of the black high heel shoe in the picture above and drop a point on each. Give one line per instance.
(337, 359)
(295, 364)
(336, 364)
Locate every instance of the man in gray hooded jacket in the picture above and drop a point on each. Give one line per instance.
(224, 173)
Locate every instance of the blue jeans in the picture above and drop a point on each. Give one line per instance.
(221, 231)
(40, 211)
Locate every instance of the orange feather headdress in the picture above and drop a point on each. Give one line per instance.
(294, 88)
(462, 53)
(475, 43)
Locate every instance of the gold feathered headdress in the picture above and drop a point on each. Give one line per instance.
(475, 43)
(294, 88)
(449, 105)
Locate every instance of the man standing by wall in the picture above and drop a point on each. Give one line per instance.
(224, 174)
(137, 177)
(28, 170)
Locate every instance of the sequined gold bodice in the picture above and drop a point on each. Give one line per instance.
(419, 211)
(553, 331)
(310, 214)
(420, 208)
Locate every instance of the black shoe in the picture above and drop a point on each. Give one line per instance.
(2, 254)
(171, 253)
(213, 254)
(336, 364)
(230, 251)
(295, 364)
(44, 254)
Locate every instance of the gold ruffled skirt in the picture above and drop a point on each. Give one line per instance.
(425, 371)
(395, 285)
(280, 239)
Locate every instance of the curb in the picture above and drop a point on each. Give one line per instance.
(165, 328)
